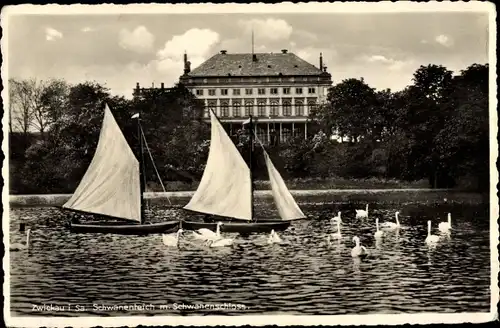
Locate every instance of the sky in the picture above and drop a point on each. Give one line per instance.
(121, 50)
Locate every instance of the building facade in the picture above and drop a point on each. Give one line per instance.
(278, 90)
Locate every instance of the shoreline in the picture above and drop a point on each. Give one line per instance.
(331, 194)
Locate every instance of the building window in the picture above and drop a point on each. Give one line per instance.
(248, 108)
(212, 104)
(236, 109)
(223, 92)
(298, 91)
(286, 91)
(211, 92)
(287, 108)
(312, 105)
(274, 108)
(261, 91)
(299, 108)
(199, 92)
(274, 91)
(236, 92)
(224, 109)
(261, 108)
(312, 90)
(248, 91)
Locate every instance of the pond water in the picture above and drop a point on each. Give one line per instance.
(303, 275)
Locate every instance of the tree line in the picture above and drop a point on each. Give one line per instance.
(436, 129)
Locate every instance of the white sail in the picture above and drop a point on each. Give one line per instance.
(225, 187)
(111, 185)
(287, 207)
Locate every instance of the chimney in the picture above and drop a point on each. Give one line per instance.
(137, 86)
(254, 57)
(163, 85)
(284, 51)
(223, 52)
(321, 61)
(324, 69)
(187, 64)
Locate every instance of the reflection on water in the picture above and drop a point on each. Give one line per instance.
(303, 275)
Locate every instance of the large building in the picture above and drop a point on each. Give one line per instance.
(277, 89)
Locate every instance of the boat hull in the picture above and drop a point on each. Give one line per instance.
(124, 229)
(240, 227)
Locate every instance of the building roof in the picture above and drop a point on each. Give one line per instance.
(267, 64)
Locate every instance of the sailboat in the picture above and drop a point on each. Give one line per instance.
(226, 189)
(112, 189)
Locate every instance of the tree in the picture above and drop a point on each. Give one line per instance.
(53, 103)
(463, 143)
(20, 105)
(171, 119)
(349, 111)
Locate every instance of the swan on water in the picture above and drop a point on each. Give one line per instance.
(220, 242)
(172, 239)
(358, 250)
(337, 234)
(445, 226)
(378, 233)
(362, 213)
(392, 225)
(20, 246)
(336, 218)
(431, 239)
(208, 234)
(273, 237)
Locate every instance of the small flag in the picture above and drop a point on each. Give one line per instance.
(136, 115)
(246, 122)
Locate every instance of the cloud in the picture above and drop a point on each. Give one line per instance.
(52, 34)
(391, 64)
(139, 40)
(197, 43)
(378, 58)
(87, 29)
(444, 40)
(311, 55)
(267, 29)
(305, 35)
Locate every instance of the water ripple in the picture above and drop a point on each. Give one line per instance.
(304, 275)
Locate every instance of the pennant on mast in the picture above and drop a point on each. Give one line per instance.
(111, 183)
(225, 187)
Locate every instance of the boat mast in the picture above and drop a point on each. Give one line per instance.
(250, 165)
(142, 174)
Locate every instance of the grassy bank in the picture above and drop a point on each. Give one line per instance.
(388, 196)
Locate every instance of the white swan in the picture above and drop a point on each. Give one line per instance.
(336, 218)
(445, 226)
(337, 234)
(207, 234)
(20, 246)
(392, 225)
(378, 233)
(220, 242)
(431, 239)
(362, 213)
(358, 250)
(172, 239)
(273, 237)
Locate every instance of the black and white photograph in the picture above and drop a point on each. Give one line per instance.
(250, 164)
